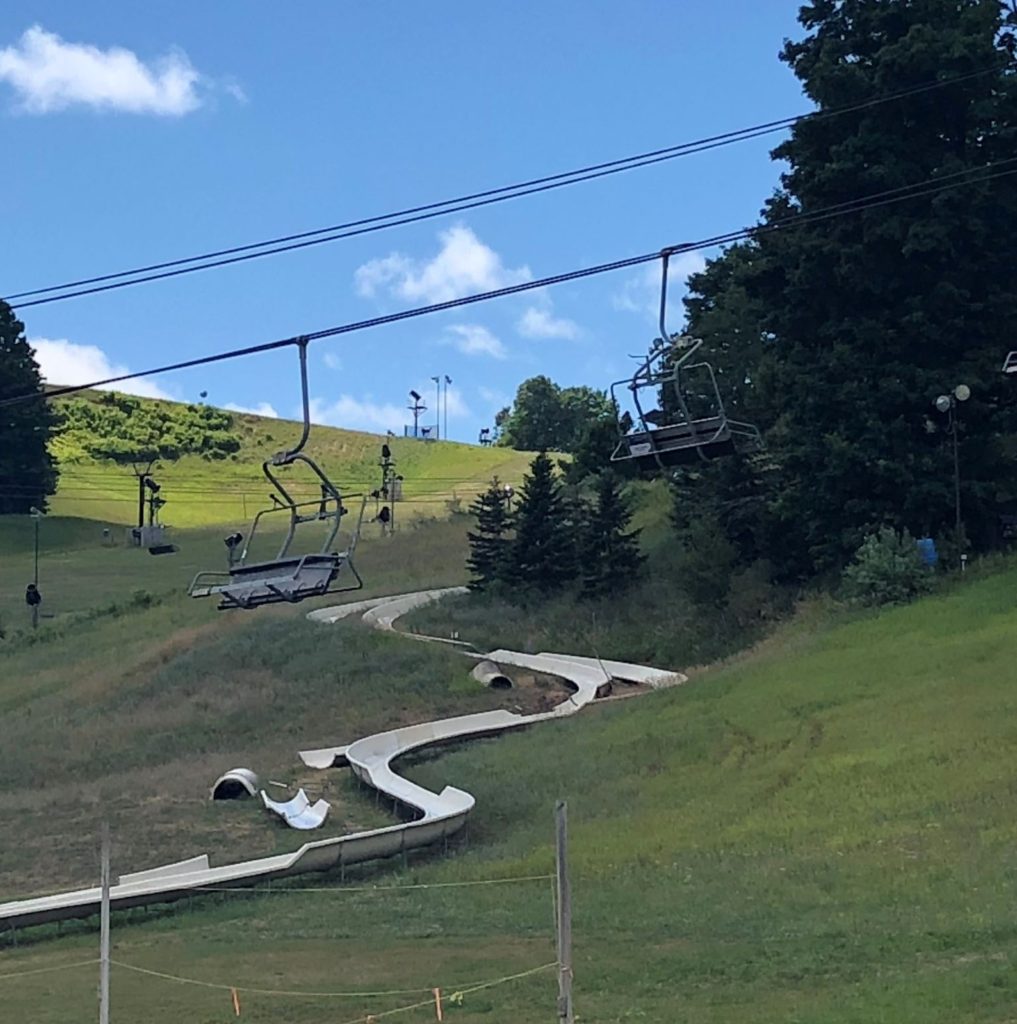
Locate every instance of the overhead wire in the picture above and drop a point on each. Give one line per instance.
(48, 970)
(858, 204)
(303, 994)
(427, 211)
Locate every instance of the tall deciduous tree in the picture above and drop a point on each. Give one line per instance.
(489, 542)
(837, 335)
(546, 417)
(27, 471)
(543, 553)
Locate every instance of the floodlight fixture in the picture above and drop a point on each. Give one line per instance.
(36, 513)
(943, 403)
(152, 485)
(414, 395)
(962, 392)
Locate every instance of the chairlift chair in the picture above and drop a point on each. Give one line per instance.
(676, 433)
(288, 577)
(1010, 363)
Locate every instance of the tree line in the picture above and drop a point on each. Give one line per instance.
(835, 335)
(554, 539)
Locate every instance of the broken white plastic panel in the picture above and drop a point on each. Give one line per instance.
(298, 812)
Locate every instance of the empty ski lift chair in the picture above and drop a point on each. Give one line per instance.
(287, 577)
(680, 431)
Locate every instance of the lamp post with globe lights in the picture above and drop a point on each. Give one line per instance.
(948, 404)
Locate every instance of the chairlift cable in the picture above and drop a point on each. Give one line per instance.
(410, 215)
(930, 186)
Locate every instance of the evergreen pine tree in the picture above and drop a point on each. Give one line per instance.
(488, 543)
(836, 336)
(26, 466)
(609, 552)
(542, 556)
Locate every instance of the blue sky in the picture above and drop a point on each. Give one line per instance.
(142, 132)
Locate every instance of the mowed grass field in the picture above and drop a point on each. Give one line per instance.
(201, 492)
(818, 830)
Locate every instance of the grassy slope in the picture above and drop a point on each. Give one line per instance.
(201, 492)
(819, 831)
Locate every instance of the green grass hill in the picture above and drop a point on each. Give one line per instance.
(200, 491)
(820, 829)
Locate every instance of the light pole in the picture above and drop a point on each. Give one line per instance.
(508, 492)
(437, 407)
(36, 515)
(444, 433)
(32, 594)
(948, 404)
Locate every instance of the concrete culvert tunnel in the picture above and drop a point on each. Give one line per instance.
(236, 784)
(490, 674)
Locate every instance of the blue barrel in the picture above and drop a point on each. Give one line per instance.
(927, 551)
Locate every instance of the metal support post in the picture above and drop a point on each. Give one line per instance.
(564, 917)
(956, 475)
(104, 929)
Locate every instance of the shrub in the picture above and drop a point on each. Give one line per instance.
(887, 569)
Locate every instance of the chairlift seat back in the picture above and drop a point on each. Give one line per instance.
(678, 444)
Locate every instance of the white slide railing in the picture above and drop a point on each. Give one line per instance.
(438, 815)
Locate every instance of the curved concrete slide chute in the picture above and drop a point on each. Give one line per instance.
(437, 815)
(626, 672)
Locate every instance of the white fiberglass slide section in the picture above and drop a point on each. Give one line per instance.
(231, 784)
(286, 808)
(324, 757)
(383, 614)
(310, 817)
(657, 678)
(440, 814)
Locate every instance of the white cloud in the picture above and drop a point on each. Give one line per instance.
(359, 414)
(64, 363)
(641, 294)
(457, 407)
(474, 339)
(542, 323)
(49, 74)
(367, 414)
(261, 409)
(463, 266)
(332, 361)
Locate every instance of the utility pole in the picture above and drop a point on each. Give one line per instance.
(437, 408)
(448, 380)
(416, 408)
(36, 515)
(564, 922)
(388, 486)
(104, 929)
